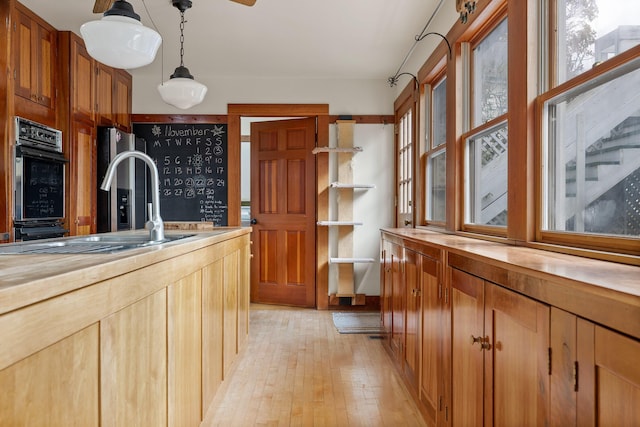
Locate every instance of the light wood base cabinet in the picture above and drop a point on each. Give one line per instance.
(147, 348)
(480, 341)
(500, 342)
(595, 377)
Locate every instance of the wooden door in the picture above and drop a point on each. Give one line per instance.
(283, 190)
(467, 329)
(516, 359)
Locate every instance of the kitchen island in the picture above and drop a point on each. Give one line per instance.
(137, 337)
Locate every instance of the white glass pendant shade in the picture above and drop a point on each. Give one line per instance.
(181, 90)
(120, 41)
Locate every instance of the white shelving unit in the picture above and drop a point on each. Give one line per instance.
(344, 259)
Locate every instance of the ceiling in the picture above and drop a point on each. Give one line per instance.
(325, 39)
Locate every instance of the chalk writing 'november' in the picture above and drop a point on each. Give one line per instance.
(169, 131)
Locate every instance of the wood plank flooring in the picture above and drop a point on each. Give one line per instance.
(297, 370)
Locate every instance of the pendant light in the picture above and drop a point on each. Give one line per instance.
(119, 39)
(181, 90)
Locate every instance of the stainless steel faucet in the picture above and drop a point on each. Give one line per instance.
(154, 224)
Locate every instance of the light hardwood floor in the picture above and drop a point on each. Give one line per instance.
(297, 370)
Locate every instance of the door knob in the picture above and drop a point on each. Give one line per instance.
(254, 221)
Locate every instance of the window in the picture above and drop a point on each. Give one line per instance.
(435, 151)
(593, 31)
(486, 144)
(405, 162)
(591, 161)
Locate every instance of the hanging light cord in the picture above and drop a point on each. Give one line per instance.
(182, 21)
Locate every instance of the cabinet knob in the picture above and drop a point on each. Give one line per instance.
(484, 342)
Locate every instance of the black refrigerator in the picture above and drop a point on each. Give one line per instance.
(124, 207)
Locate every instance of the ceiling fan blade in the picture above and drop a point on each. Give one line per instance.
(245, 2)
(101, 6)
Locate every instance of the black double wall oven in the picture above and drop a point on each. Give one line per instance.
(39, 181)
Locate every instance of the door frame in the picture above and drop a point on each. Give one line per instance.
(321, 112)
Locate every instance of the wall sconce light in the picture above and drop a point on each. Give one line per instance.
(464, 8)
(119, 39)
(181, 90)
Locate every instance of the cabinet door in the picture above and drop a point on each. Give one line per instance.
(104, 94)
(563, 342)
(608, 378)
(516, 359)
(82, 79)
(212, 321)
(412, 265)
(45, 73)
(467, 334)
(185, 350)
(431, 376)
(24, 55)
(133, 364)
(230, 265)
(398, 297)
(386, 289)
(122, 99)
(57, 386)
(34, 59)
(82, 179)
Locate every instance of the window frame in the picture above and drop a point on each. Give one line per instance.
(438, 76)
(577, 241)
(470, 131)
(406, 104)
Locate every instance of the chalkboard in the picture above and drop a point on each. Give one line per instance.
(45, 180)
(192, 164)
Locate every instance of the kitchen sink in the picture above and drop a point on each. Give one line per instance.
(94, 244)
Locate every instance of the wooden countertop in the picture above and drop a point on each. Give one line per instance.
(603, 291)
(27, 279)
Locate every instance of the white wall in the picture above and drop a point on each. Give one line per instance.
(343, 96)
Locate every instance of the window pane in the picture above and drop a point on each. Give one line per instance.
(439, 115)
(405, 163)
(437, 184)
(486, 177)
(592, 150)
(592, 31)
(490, 76)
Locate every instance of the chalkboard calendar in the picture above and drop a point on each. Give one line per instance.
(192, 165)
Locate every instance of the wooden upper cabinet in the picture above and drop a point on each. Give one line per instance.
(104, 94)
(122, 99)
(77, 79)
(34, 58)
(82, 96)
(113, 97)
